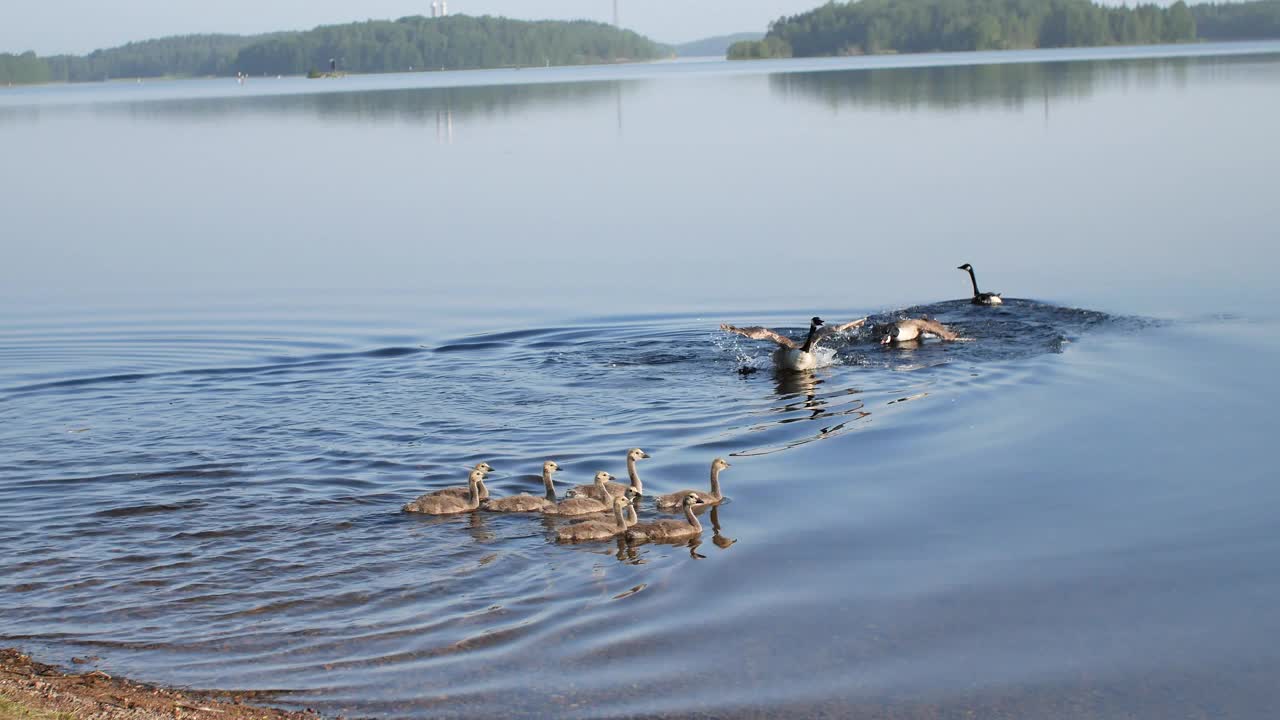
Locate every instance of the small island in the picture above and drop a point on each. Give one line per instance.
(867, 27)
(454, 42)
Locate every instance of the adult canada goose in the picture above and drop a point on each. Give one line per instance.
(676, 499)
(617, 489)
(597, 529)
(461, 492)
(664, 530)
(576, 504)
(529, 503)
(981, 298)
(789, 355)
(448, 504)
(912, 329)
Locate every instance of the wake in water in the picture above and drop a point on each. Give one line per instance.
(1016, 330)
(997, 340)
(269, 466)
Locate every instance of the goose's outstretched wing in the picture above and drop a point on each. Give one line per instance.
(829, 330)
(759, 333)
(936, 328)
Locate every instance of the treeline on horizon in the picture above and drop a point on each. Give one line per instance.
(910, 26)
(456, 42)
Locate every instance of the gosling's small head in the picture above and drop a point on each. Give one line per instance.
(550, 466)
(720, 464)
(637, 454)
(692, 499)
(965, 266)
(603, 477)
(631, 494)
(484, 467)
(621, 502)
(477, 476)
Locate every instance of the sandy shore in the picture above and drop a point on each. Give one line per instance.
(30, 690)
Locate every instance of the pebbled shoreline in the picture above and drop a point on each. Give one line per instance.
(31, 690)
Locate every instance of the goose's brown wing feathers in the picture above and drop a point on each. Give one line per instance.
(760, 333)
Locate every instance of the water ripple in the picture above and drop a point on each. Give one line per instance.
(238, 525)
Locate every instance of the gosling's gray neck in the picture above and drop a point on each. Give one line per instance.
(549, 484)
(473, 494)
(632, 517)
(604, 488)
(715, 482)
(484, 489)
(635, 476)
(691, 518)
(619, 517)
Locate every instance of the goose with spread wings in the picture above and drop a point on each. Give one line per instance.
(789, 355)
(910, 329)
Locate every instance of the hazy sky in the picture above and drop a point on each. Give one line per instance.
(54, 26)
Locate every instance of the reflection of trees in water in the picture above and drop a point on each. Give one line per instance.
(418, 106)
(1010, 86)
(22, 114)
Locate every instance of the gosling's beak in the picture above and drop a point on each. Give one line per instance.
(728, 465)
(644, 455)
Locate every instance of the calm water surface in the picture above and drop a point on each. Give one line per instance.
(239, 327)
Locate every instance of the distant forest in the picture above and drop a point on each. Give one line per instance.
(908, 26)
(1238, 21)
(412, 43)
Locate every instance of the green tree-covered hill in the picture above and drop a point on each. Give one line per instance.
(906, 26)
(22, 69)
(454, 42)
(1238, 21)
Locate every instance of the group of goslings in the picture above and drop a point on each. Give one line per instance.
(612, 504)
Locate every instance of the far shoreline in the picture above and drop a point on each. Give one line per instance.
(887, 61)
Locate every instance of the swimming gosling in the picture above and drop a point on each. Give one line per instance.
(529, 503)
(618, 489)
(597, 529)
(575, 504)
(667, 530)
(461, 492)
(981, 298)
(448, 504)
(676, 499)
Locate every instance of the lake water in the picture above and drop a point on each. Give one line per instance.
(240, 326)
